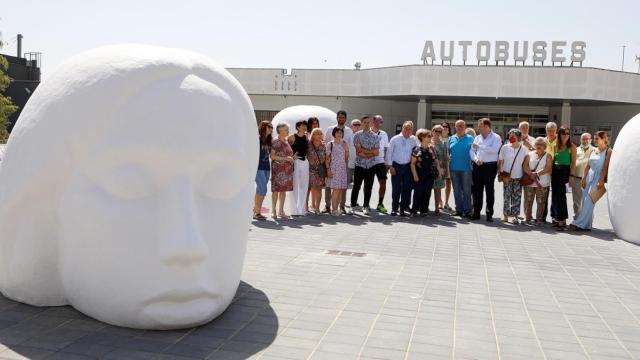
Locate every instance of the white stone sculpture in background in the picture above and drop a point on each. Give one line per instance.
(293, 114)
(624, 174)
(127, 186)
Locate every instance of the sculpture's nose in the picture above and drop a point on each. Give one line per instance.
(181, 241)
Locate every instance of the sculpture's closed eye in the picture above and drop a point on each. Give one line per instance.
(126, 181)
(224, 180)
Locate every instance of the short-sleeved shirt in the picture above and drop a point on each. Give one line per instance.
(551, 147)
(582, 158)
(459, 157)
(367, 141)
(384, 143)
(510, 163)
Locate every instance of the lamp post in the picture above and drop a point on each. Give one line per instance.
(623, 47)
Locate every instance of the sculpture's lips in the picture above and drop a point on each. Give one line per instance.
(181, 297)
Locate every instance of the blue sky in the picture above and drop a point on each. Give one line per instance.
(318, 34)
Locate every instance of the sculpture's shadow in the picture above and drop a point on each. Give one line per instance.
(245, 328)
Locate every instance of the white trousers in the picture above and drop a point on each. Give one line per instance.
(298, 197)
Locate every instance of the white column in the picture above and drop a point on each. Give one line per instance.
(565, 114)
(421, 121)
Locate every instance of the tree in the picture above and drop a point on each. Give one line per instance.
(6, 105)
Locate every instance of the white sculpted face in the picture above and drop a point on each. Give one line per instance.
(152, 218)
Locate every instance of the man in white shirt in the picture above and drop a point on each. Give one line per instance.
(380, 168)
(398, 162)
(484, 155)
(341, 117)
(527, 140)
(583, 152)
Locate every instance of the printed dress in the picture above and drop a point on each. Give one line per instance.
(281, 170)
(438, 183)
(316, 157)
(338, 166)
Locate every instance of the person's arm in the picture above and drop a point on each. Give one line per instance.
(574, 153)
(275, 157)
(414, 171)
(548, 166)
(291, 139)
(605, 170)
(494, 147)
(327, 159)
(389, 157)
(501, 159)
(583, 182)
(327, 135)
(525, 166)
(473, 150)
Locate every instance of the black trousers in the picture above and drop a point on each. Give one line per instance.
(484, 177)
(422, 194)
(361, 174)
(559, 178)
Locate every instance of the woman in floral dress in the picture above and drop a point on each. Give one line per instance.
(338, 155)
(316, 155)
(282, 159)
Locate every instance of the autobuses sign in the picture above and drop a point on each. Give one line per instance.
(520, 52)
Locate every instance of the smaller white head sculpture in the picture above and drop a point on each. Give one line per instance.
(622, 190)
(126, 189)
(293, 114)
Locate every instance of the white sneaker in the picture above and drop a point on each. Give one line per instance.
(365, 210)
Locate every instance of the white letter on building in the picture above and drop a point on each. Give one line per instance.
(525, 51)
(443, 54)
(502, 51)
(483, 51)
(539, 51)
(557, 47)
(465, 44)
(428, 52)
(577, 51)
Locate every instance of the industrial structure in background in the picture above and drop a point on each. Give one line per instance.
(24, 70)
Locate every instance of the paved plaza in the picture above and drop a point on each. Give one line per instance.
(323, 287)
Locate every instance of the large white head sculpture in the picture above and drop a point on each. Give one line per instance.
(293, 114)
(126, 188)
(623, 191)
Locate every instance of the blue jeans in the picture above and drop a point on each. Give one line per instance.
(262, 178)
(462, 190)
(401, 185)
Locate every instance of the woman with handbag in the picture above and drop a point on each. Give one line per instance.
(593, 179)
(337, 158)
(510, 169)
(316, 154)
(537, 180)
(424, 170)
(564, 167)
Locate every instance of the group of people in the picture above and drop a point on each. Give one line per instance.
(431, 160)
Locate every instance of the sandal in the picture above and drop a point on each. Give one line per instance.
(259, 217)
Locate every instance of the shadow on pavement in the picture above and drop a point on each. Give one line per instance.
(248, 326)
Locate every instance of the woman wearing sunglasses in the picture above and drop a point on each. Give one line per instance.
(564, 167)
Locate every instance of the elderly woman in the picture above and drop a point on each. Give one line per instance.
(564, 167)
(282, 159)
(510, 163)
(264, 168)
(337, 159)
(442, 156)
(537, 166)
(317, 170)
(594, 177)
(424, 169)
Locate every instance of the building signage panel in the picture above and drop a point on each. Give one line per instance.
(558, 52)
